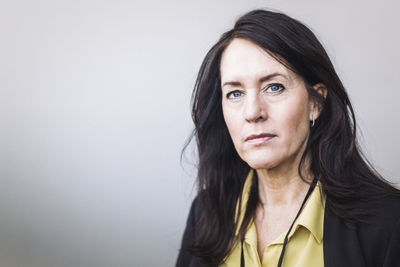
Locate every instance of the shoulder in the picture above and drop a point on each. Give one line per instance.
(193, 216)
(185, 257)
(383, 222)
(373, 242)
(380, 211)
(380, 235)
(384, 212)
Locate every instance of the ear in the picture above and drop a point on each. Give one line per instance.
(315, 107)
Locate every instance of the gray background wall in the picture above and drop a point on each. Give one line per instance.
(94, 110)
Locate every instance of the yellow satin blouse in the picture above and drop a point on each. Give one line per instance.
(304, 247)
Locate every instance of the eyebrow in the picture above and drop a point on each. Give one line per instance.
(262, 79)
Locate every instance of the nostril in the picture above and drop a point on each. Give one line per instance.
(255, 112)
(259, 119)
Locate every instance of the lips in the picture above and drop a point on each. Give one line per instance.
(259, 138)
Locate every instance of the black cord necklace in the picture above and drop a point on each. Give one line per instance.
(314, 182)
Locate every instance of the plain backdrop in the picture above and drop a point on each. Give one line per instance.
(95, 109)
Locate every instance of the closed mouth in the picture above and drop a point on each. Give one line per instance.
(259, 138)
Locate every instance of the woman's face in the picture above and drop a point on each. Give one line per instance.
(265, 106)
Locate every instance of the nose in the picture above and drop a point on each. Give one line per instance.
(255, 108)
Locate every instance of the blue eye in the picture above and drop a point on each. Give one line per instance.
(234, 94)
(275, 88)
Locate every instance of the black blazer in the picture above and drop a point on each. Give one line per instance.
(375, 243)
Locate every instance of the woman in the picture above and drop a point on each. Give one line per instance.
(281, 179)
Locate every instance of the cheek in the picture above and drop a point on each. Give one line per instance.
(296, 122)
(232, 122)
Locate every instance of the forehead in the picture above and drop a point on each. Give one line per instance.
(243, 59)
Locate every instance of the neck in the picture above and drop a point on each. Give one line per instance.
(281, 188)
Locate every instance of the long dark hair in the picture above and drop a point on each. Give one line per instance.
(347, 179)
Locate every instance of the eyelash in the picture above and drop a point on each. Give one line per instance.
(281, 88)
(228, 95)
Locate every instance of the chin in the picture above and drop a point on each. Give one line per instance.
(261, 162)
(261, 165)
